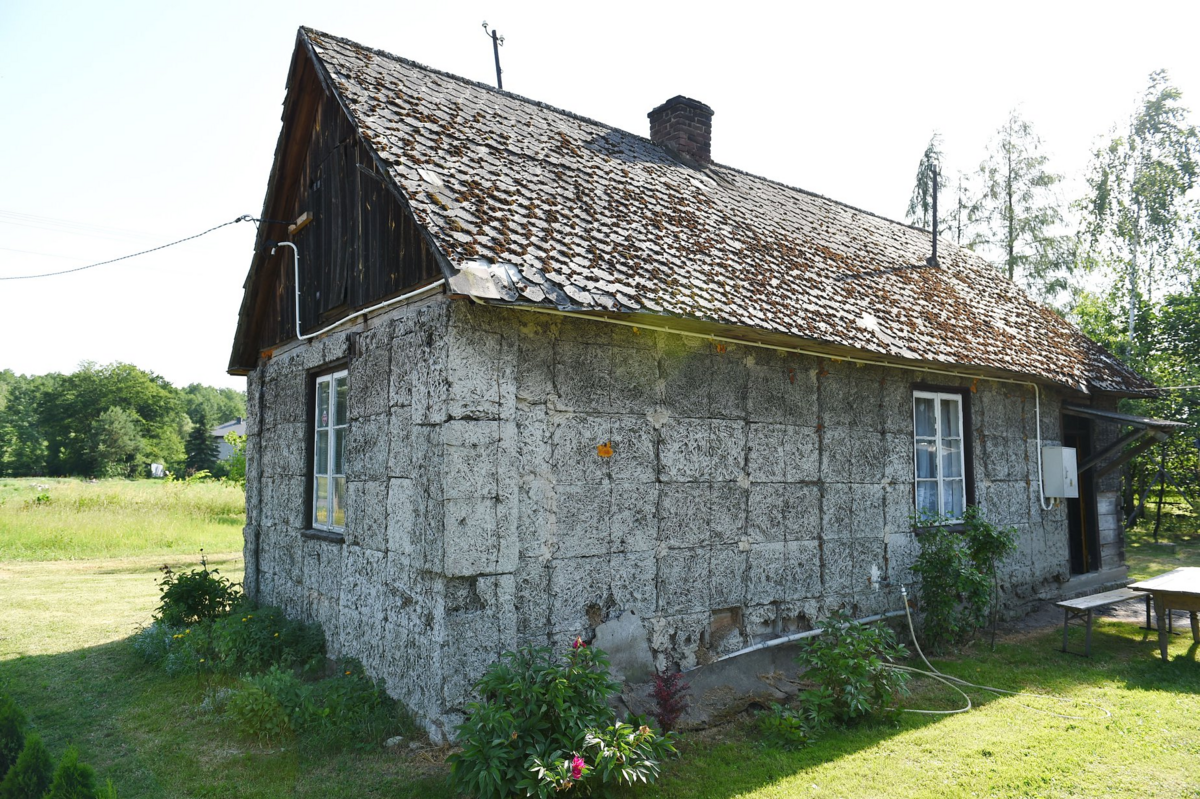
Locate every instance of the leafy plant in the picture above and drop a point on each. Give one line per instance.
(957, 569)
(30, 776)
(196, 595)
(258, 714)
(795, 728)
(72, 779)
(12, 733)
(543, 724)
(849, 662)
(670, 699)
(253, 638)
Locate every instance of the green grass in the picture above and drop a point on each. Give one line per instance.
(1179, 540)
(66, 658)
(61, 518)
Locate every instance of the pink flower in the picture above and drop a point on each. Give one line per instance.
(578, 643)
(577, 767)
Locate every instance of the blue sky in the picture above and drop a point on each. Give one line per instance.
(128, 125)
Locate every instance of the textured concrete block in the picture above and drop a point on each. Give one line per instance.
(634, 517)
(702, 450)
(401, 502)
(683, 576)
(367, 448)
(594, 378)
(284, 448)
(868, 460)
(370, 374)
(728, 568)
(782, 389)
(575, 457)
(701, 381)
(898, 457)
(783, 453)
(633, 585)
(475, 542)
(837, 561)
(770, 573)
(284, 398)
(283, 502)
(626, 642)
(399, 443)
(837, 454)
(784, 512)
(837, 511)
(577, 585)
(901, 551)
(470, 450)
(868, 520)
(532, 596)
(584, 523)
(701, 514)
(366, 514)
(807, 557)
(898, 508)
(473, 372)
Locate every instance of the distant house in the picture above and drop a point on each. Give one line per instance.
(514, 374)
(224, 450)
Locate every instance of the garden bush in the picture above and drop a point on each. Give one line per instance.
(957, 569)
(670, 699)
(12, 733)
(194, 596)
(30, 776)
(72, 779)
(543, 725)
(251, 639)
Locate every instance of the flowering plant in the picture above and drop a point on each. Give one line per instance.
(543, 725)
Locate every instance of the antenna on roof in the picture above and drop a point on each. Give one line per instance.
(932, 260)
(497, 43)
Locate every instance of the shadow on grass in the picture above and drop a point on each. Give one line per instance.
(145, 732)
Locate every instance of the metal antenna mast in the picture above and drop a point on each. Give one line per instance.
(497, 43)
(932, 260)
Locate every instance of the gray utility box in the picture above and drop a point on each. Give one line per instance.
(1060, 477)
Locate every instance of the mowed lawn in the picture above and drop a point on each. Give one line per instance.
(66, 658)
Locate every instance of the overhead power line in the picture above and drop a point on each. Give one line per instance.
(242, 218)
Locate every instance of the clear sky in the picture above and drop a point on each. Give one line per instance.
(127, 125)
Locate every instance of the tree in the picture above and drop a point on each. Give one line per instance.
(201, 448)
(72, 779)
(1137, 206)
(920, 206)
(218, 405)
(116, 443)
(22, 445)
(1018, 213)
(29, 778)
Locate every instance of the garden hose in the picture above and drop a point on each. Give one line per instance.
(957, 683)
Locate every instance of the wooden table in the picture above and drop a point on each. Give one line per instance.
(1177, 590)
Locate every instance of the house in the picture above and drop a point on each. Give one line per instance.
(514, 374)
(224, 449)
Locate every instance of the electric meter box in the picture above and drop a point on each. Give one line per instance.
(1060, 477)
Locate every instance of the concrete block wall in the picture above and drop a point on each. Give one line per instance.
(516, 477)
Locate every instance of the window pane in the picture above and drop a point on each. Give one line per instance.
(952, 461)
(339, 401)
(339, 502)
(927, 504)
(926, 422)
(323, 403)
(950, 418)
(321, 453)
(321, 503)
(339, 445)
(927, 459)
(952, 498)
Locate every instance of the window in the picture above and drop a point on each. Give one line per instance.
(941, 481)
(329, 446)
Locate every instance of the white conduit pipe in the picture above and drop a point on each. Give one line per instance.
(296, 267)
(799, 351)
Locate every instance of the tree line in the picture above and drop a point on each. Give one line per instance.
(109, 421)
(1121, 261)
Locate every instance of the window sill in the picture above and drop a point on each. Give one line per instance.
(324, 535)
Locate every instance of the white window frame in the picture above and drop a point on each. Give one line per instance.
(328, 506)
(940, 439)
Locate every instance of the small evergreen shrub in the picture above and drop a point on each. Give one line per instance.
(12, 733)
(543, 725)
(72, 779)
(670, 699)
(849, 661)
(194, 596)
(30, 777)
(957, 570)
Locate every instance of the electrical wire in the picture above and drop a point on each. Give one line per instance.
(242, 218)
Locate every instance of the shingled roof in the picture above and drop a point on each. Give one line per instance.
(540, 207)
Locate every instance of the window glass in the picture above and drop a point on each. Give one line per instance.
(939, 465)
(340, 401)
(328, 466)
(323, 403)
(321, 455)
(321, 502)
(339, 502)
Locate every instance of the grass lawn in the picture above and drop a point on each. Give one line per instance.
(49, 518)
(66, 659)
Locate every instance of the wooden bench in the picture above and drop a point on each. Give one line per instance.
(1080, 610)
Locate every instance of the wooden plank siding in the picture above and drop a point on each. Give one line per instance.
(362, 245)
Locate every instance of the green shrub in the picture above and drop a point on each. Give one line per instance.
(795, 728)
(12, 733)
(252, 639)
(194, 596)
(957, 570)
(259, 715)
(107, 791)
(30, 777)
(849, 662)
(543, 724)
(72, 779)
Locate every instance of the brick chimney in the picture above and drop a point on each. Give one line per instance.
(684, 125)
